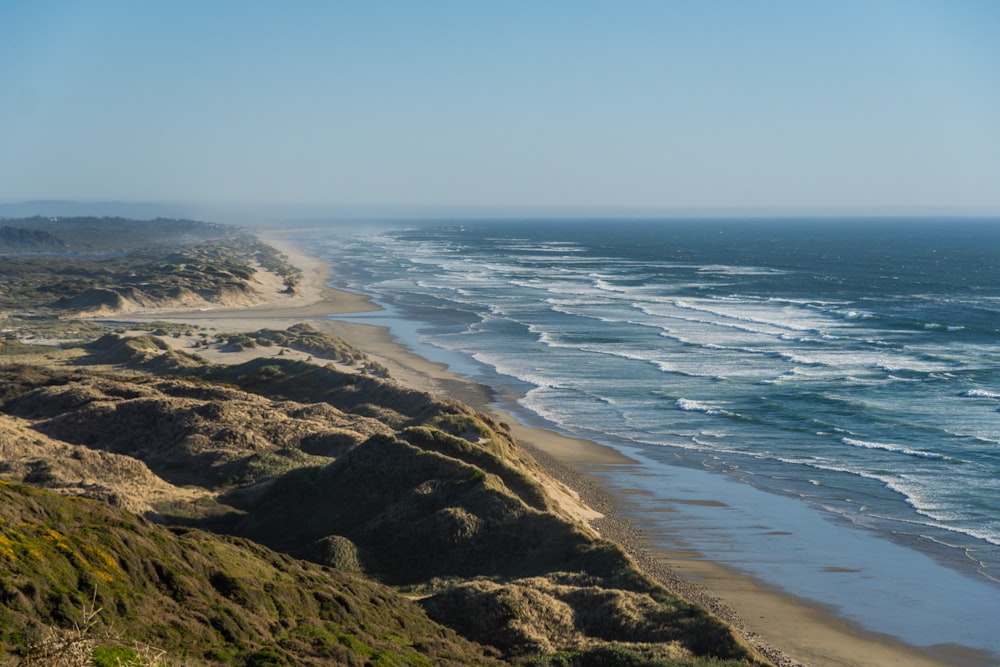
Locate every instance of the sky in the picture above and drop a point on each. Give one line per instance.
(734, 105)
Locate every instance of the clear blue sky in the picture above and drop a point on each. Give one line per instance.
(705, 103)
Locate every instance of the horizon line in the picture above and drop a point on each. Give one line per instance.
(258, 212)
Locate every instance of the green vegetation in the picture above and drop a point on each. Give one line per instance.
(13, 348)
(69, 565)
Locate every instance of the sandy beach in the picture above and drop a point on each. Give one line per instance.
(787, 630)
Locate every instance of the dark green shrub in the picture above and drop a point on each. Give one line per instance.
(262, 659)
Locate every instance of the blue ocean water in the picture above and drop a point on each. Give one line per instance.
(835, 384)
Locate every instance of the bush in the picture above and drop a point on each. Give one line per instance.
(262, 659)
(115, 656)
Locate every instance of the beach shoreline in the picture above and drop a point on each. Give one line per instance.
(787, 630)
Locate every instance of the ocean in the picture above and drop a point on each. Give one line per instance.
(815, 403)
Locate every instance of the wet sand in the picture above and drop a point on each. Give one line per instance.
(787, 630)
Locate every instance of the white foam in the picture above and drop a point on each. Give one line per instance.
(546, 338)
(951, 328)
(903, 363)
(550, 247)
(775, 321)
(504, 365)
(689, 405)
(728, 270)
(889, 447)
(605, 286)
(935, 507)
(695, 406)
(981, 393)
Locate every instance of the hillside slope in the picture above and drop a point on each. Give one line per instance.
(376, 484)
(78, 576)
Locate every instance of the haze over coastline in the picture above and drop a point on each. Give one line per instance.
(267, 215)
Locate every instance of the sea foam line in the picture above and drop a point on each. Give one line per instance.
(899, 449)
(981, 393)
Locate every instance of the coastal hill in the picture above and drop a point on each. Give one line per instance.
(106, 266)
(298, 508)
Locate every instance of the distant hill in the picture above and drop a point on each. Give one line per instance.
(17, 239)
(115, 209)
(83, 235)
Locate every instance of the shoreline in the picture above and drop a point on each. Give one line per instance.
(785, 629)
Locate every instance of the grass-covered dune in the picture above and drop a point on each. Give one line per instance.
(81, 580)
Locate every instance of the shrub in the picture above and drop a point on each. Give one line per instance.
(115, 656)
